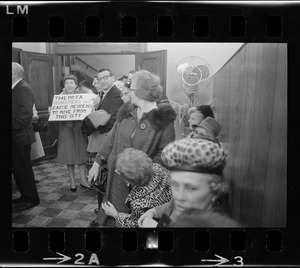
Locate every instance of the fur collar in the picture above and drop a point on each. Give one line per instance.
(159, 118)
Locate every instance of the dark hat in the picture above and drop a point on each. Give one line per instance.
(212, 125)
(196, 155)
(71, 77)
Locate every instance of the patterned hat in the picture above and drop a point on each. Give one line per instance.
(196, 155)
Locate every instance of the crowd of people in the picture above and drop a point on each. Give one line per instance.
(153, 180)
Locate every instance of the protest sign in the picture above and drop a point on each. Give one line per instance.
(71, 107)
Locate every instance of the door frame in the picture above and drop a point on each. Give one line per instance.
(51, 136)
(60, 56)
(164, 70)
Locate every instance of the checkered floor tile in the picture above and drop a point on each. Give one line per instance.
(59, 207)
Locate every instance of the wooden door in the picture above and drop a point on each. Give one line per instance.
(16, 55)
(40, 71)
(156, 63)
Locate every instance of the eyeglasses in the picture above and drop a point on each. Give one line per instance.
(104, 78)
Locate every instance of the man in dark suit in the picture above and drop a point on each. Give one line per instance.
(110, 98)
(110, 101)
(22, 138)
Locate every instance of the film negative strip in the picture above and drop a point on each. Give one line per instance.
(239, 57)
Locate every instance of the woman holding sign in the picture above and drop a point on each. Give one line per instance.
(72, 143)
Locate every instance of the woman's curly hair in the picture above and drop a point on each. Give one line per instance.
(134, 166)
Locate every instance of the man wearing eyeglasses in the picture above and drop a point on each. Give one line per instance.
(110, 98)
(110, 101)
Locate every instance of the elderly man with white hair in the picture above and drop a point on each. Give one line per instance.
(22, 138)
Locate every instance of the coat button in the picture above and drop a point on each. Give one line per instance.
(143, 126)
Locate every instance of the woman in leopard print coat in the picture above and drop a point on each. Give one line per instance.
(150, 183)
(197, 181)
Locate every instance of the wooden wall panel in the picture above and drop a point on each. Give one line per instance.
(248, 92)
(274, 208)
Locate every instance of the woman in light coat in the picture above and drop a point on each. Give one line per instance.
(37, 149)
(141, 124)
(72, 143)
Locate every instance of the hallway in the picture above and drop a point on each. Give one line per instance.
(59, 207)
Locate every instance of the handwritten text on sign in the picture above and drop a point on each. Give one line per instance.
(71, 107)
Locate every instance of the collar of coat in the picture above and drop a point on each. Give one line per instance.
(159, 118)
(157, 187)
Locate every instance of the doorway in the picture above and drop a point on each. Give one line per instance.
(41, 72)
(45, 73)
(86, 66)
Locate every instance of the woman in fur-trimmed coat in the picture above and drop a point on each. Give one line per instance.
(141, 124)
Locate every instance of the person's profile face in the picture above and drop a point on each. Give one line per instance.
(70, 85)
(190, 190)
(129, 78)
(132, 95)
(125, 95)
(13, 76)
(195, 119)
(202, 131)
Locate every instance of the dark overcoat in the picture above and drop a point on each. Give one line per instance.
(111, 104)
(22, 103)
(22, 137)
(151, 134)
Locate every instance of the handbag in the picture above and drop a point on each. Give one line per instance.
(40, 126)
(100, 183)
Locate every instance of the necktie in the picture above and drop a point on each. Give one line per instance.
(101, 95)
